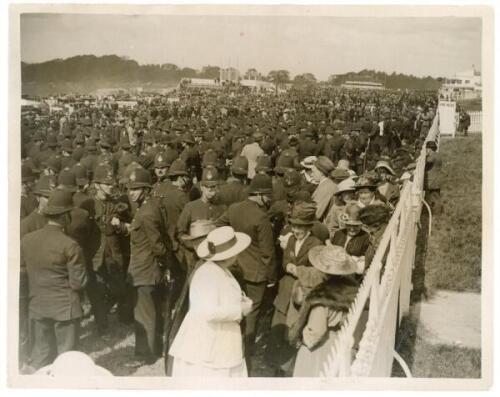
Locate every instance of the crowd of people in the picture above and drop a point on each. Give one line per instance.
(187, 218)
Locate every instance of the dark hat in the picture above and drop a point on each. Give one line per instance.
(365, 181)
(161, 160)
(188, 139)
(210, 176)
(339, 174)
(138, 178)
(258, 136)
(54, 164)
(81, 174)
(27, 174)
(293, 141)
(44, 186)
(104, 174)
(291, 178)
(324, 164)
(303, 213)
(264, 163)
(261, 184)
(178, 167)
(240, 166)
(60, 202)
(67, 181)
(431, 145)
(284, 162)
(374, 214)
(91, 145)
(210, 158)
(298, 196)
(52, 141)
(67, 145)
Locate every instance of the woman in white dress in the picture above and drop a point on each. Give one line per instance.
(209, 341)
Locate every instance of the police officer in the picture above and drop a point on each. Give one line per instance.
(148, 256)
(257, 262)
(56, 273)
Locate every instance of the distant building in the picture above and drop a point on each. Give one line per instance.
(229, 75)
(199, 83)
(363, 85)
(258, 85)
(464, 85)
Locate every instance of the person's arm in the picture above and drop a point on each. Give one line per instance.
(152, 230)
(316, 327)
(266, 245)
(76, 267)
(223, 220)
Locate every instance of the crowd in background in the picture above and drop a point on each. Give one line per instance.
(189, 218)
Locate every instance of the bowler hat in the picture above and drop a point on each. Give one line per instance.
(284, 162)
(261, 184)
(60, 202)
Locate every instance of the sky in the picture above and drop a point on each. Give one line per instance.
(438, 47)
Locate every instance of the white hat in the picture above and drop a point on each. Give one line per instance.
(223, 243)
(309, 162)
(73, 364)
(347, 185)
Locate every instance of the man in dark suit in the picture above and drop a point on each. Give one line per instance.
(56, 273)
(257, 262)
(149, 246)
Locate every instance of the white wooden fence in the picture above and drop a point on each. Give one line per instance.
(385, 292)
(476, 122)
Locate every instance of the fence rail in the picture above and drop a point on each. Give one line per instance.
(384, 295)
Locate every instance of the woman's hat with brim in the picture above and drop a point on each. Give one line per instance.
(303, 213)
(223, 243)
(347, 185)
(308, 162)
(332, 259)
(365, 182)
(385, 165)
(72, 364)
(60, 202)
(338, 175)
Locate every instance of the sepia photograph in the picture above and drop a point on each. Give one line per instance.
(250, 193)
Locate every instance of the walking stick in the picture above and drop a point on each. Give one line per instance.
(366, 152)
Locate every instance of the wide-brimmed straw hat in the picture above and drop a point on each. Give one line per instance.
(223, 243)
(332, 259)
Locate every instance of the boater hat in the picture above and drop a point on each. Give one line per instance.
(223, 243)
(332, 259)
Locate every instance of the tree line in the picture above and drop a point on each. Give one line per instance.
(115, 69)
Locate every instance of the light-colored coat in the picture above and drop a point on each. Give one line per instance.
(210, 334)
(323, 196)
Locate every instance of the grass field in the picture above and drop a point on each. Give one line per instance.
(453, 258)
(450, 259)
